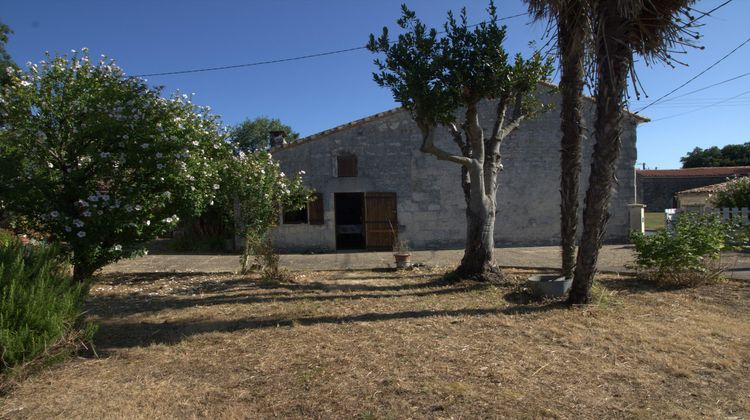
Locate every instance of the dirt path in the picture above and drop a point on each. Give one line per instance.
(383, 344)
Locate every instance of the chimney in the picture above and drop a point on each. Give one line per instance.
(277, 139)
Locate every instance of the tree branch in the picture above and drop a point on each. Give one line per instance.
(511, 127)
(428, 146)
(459, 139)
(502, 108)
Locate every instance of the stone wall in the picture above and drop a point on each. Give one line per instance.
(431, 208)
(658, 193)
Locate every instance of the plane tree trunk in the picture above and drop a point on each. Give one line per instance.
(481, 164)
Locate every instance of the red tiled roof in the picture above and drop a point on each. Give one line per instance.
(695, 172)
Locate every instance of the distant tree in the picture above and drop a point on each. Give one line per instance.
(253, 135)
(5, 60)
(5, 63)
(436, 79)
(729, 155)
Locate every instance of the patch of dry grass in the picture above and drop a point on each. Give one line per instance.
(366, 344)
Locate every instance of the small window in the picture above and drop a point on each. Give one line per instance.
(295, 217)
(347, 166)
(312, 213)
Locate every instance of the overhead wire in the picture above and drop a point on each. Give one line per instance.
(704, 107)
(284, 60)
(694, 77)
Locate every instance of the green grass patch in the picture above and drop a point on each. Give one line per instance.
(654, 220)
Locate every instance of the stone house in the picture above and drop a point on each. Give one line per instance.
(658, 188)
(374, 184)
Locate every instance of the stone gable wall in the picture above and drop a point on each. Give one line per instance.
(431, 208)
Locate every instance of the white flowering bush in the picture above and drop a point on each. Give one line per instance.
(101, 162)
(262, 190)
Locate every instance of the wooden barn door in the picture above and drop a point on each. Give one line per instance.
(381, 221)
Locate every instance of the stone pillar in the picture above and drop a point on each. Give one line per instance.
(637, 217)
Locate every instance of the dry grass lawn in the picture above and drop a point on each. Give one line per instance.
(397, 345)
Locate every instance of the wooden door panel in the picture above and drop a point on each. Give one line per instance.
(381, 221)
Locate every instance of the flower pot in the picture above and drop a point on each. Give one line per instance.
(548, 285)
(402, 260)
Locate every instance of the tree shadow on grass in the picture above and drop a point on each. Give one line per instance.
(113, 307)
(115, 335)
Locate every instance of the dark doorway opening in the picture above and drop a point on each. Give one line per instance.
(350, 232)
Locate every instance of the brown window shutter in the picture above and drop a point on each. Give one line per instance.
(315, 209)
(347, 165)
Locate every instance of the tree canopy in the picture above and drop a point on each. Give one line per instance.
(253, 135)
(729, 155)
(101, 162)
(439, 78)
(5, 60)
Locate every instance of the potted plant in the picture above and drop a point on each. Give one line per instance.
(548, 285)
(402, 254)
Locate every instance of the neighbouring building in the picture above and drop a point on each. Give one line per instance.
(658, 188)
(699, 198)
(374, 184)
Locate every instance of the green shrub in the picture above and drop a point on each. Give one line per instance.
(688, 254)
(39, 302)
(736, 193)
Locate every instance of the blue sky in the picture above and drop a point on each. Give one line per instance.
(315, 94)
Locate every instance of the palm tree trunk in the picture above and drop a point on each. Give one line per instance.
(613, 59)
(571, 34)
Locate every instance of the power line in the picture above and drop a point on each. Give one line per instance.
(704, 14)
(695, 77)
(284, 60)
(702, 108)
(706, 87)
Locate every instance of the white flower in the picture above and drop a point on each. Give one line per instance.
(159, 166)
(216, 186)
(138, 207)
(81, 234)
(148, 223)
(105, 197)
(128, 208)
(50, 165)
(117, 247)
(25, 83)
(104, 154)
(78, 223)
(93, 198)
(82, 203)
(68, 229)
(158, 154)
(54, 213)
(168, 220)
(144, 146)
(86, 213)
(302, 172)
(195, 142)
